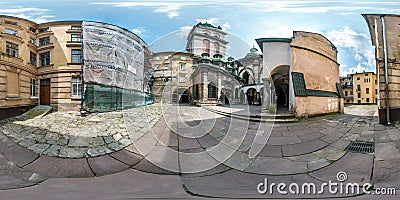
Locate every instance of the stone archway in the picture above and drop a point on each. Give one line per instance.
(251, 95)
(280, 78)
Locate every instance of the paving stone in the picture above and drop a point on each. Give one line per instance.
(72, 152)
(271, 151)
(127, 157)
(310, 136)
(17, 154)
(283, 140)
(303, 148)
(386, 151)
(317, 164)
(104, 165)
(98, 151)
(148, 166)
(59, 167)
(39, 148)
(269, 165)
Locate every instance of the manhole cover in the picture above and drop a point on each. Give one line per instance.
(360, 147)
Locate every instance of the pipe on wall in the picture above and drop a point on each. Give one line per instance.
(386, 70)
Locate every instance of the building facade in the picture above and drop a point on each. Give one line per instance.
(384, 30)
(40, 64)
(177, 68)
(301, 74)
(365, 88)
(347, 88)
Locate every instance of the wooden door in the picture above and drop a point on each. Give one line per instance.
(45, 92)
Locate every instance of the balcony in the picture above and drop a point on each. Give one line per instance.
(45, 47)
(74, 43)
(14, 38)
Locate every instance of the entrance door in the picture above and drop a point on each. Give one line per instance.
(45, 91)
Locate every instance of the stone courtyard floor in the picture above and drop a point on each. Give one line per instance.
(189, 152)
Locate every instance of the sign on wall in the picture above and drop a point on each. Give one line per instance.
(112, 56)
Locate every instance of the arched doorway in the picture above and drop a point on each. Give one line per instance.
(185, 97)
(280, 77)
(251, 96)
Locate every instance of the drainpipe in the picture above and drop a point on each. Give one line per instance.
(386, 71)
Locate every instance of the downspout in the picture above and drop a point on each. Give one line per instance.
(82, 110)
(386, 71)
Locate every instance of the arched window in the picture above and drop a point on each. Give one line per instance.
(216, 47)
(245, 77)
(206, 46)
(216, 35)
(212, 90)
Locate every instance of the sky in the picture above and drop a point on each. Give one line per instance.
(164, 25)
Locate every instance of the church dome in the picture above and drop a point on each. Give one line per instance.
(252, 53)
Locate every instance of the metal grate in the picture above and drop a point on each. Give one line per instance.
(360, 147)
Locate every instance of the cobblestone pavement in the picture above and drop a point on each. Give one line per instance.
(211, 153)
(68, 135)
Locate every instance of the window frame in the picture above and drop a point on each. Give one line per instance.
(33, 59)
(11, 32)
(78, 85)
(12, 49)
(44, 41)
(76, 39)
(76, 58)
(44, 60)
(33, 88)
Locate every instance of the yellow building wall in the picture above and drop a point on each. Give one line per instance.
(365, 80)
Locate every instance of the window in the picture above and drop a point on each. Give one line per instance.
(165, 57)
(358, 78)
(376, 82)
(358, 88)
(10, 22)
(33, 87)
(346, 93)
(367, 90)
(12, 49)
(165, 67)
(376, 91)
(44, 30)
(366, 74)
(76, 87)
(76, 56)
(11, 32)
(183, 57)
(76, 38)
(44, 59)
(206, 46)
(351, 92)
(367, 100)
(32, 29)
(44, 41)
(182, 79)
(216, 35)
(359, 95)
(183, 67)
(76, 27)
(216, 47)
(32, 40)
(212, 91)
(157, 58)
(32, 59)
(157, 67)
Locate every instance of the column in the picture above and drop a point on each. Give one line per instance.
(267, 93)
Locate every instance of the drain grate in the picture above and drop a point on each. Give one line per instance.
(360, 147)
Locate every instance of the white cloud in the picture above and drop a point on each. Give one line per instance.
(212, 20)
(171, 10)
(139, 30)
(184, 31)
(358, 43)
(226, 26)
(38, 15)
(345, 70)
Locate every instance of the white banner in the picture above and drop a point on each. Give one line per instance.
(112, 56)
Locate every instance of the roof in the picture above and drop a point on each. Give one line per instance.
(260, 41)
(208, 25)
(300, 89)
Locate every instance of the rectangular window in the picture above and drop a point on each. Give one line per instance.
(367, 100)
(367, 90)
(32, 59)
(157, 58)
(358, 88)
(76, 27)
(165, 57)
(44, 59)
(346, 93)
(76, 56)
(33, 87)
(44, 41)
(182, 79)
(10, 22)
(44, 30)
(376, 91)
(76, 87)
(32, 29)
(32, 40)
(351, 92)
(11, 32)
(76, 38)
(359, 95)
(358, 78)
(12, 49)
(183, 57)
(165, 67)
(183, 67)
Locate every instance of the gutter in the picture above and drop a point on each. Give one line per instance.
(386, 71)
